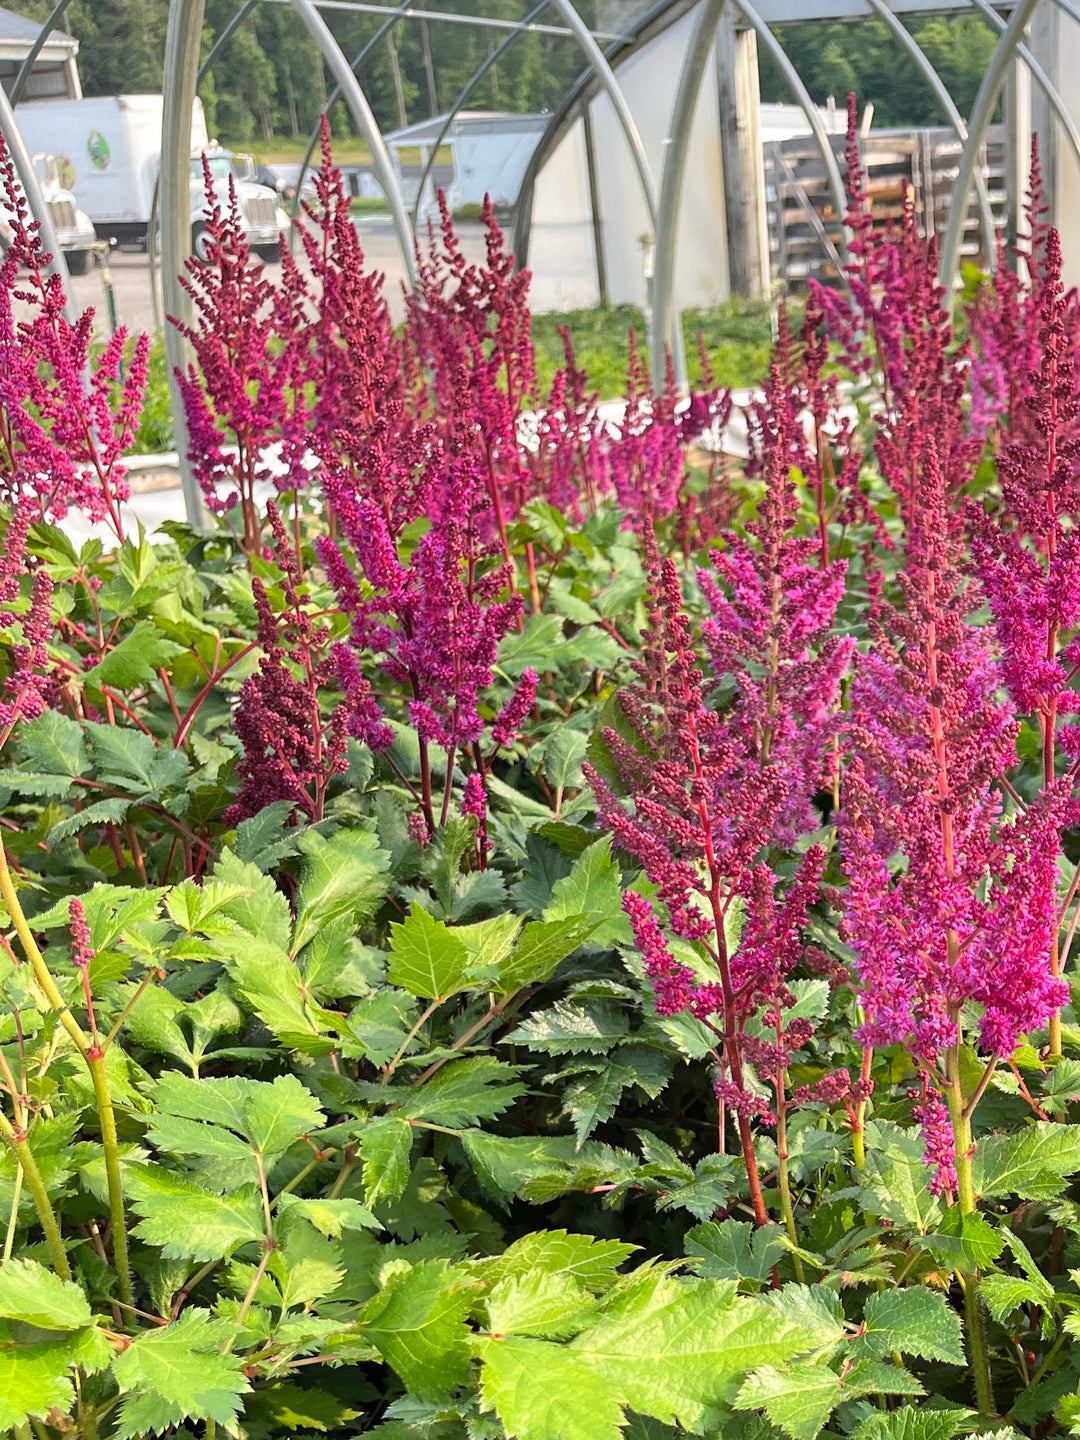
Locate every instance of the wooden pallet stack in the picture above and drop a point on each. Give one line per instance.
(805, 232)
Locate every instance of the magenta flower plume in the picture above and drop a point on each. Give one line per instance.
(68, 419)
(290, 753)
(245, 405)
(969, 914)
(772, 611)
(26, 626)
(363, 425)
(698, 802)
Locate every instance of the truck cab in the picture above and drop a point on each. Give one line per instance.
(261, 214)
(74, 229)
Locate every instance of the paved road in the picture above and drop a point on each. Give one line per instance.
(131, 275)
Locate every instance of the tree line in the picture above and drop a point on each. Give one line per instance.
(269, 81)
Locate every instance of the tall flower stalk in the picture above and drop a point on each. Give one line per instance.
(949, 902)
(1027, 550)
(702, 789)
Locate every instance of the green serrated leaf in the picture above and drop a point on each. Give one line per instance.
(385, 1146)
(34, 1295)
(135, 660)
(909, 1423)
(593, 889)
(799, 1398)
(545, 1392)
(691, 1352)
(426, 957)
(185, 1220)
(551, 1306)
(568, 1029)
(417, 1322)
(33, 1377)
(592, 1262)
(54, 744)
(915, 1321)
(463, 1092)
(735, 1250)
(182, 1365)
(1033, 1164)
(543, 944)
(346, 874)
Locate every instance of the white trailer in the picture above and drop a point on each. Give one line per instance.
(107, 151)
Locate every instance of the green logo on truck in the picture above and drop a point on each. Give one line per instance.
(98, 149)
(65, 172)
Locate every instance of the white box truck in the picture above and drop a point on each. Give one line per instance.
(107, 150)
(74, 231)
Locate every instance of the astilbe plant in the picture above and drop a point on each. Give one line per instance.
(894, 328)
(244, 397)
(1005, 323)
(66, 419)
(431, 622)
(800, 415)
(469, 329)
(948, 903)
(289, 752)
(1027, 549)
(708, 788)
(364, 424)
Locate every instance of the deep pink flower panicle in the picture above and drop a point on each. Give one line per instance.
(969, 914)
(69, 418)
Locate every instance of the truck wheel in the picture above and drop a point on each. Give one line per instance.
(268, 254)
(79, 261)
(201, 243)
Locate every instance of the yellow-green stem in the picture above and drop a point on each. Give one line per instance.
(39, 1194)
(783, 1176)
(858, 1139)
(42, 973)
(95, 1062)
(965, 1187)
(110, 1144)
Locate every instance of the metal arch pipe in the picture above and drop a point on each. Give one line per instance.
(305, 163)
(985, 100)
(225, 36)
(182, 40)
(948, 105)
(155, 196)
(463, 95)
(369, 128)
(583, 90)
(1039, 75)
(664, 318)
(802, 96)
(24, 168)
(601, 68)
(27, 66)
(605, 75)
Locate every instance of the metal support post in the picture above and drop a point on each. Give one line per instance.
(665, 319)
(39, 210)
(182, 40)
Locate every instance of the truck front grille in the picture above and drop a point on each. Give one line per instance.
(63, 214)
(260, 211)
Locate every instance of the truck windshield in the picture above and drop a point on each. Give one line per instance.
(220, 167)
